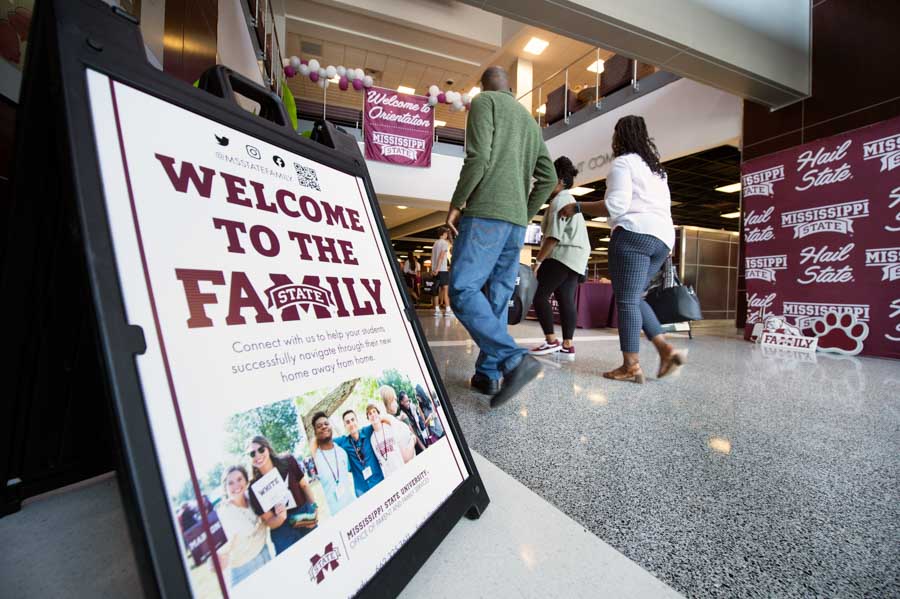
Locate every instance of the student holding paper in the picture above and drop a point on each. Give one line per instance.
(280, 495)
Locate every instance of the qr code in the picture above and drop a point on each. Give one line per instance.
(307, 177)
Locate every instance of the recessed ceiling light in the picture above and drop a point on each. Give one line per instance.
(542, 109)
(401, 207)
(599, 219)
(601, 250)
(674, 203)
(440, 123)
(406, 90)
(733, 188)
(731, 215)
(536, 46)
(605, 239)
(596, 66)
(544, 206)
(474, 92)
(580, 191)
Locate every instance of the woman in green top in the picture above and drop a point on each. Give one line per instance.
(560, 263)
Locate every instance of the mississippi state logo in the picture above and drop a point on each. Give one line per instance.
(836, 218)
(763, 268)
(888, 259)
(886, 149)
(757, 227)
(806, 313)
(329, 559)
(308, 297)
(823, 260)
(819, 167)
(762, 183)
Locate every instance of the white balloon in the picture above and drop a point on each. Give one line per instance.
(323, 83)
(330, 71)
(457, 106)
(303, 69)
(322, 74)
(432, 100)
(313, 65)
(351, 74)
(360, 74)
(465, 99)
(295, 62)
(368, 81)
(341, 71)
(434, 90)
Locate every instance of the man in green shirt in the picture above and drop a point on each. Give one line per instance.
(488, 214)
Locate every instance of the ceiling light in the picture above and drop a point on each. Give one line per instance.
(580, 191)
(596, 66)
(406, 90)
(440, 123)
(601, 250)
(599, 219)
(731, 215)
(335, 79)
(401, 207)
(474, 92)
(536, 46)
(605, 238)
(544, 206)
(542, 109)
(733, 188)
(674, 203)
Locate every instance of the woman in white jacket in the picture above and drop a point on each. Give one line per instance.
(638, 205)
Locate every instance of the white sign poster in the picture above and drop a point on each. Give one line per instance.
(266, 297)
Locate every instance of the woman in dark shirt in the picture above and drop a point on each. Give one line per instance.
(287, 525)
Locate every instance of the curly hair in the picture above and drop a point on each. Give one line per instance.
(565, 171)
(631, 137)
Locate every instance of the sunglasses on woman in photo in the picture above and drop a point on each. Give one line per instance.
(259, 451)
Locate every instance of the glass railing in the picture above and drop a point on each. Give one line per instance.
(582, 84)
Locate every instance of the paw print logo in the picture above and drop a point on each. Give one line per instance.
(840, 333)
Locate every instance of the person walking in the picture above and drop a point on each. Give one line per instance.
(488, 213)
(560, 264)
(440, 270)
(411, 269)
(638, 205)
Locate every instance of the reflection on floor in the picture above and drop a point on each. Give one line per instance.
(745, 474)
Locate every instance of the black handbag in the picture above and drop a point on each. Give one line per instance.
(430, 285)
(671, 301)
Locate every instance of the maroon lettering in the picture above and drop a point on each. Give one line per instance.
(261, 202)
(257, 233)
(310, 209)
(187, 174)
(281, 197)
(235, 187)
(197, 300)
(336, 294)
(302, 240)
(231, 229)
(243, 295)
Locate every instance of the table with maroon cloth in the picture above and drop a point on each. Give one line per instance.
(594, 304)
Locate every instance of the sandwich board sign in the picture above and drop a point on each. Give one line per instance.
(282, 424)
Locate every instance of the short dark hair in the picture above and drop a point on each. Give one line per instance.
(344, 415)
(565, 171)
(316, 416)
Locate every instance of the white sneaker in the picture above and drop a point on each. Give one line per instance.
(437, 311)
(448, 312)
(545, 348)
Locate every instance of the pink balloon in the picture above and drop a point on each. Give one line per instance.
(344, 83)
(442, 98)
(289, 71)
(357, 84)
(314, 76)
(304, 61)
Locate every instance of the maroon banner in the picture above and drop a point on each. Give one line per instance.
(398, 128)
(822, 233)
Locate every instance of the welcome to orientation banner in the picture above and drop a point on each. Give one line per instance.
(277, 354)
(822, 238)
(398, 128)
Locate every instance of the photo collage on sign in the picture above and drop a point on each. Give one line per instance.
(287, 466)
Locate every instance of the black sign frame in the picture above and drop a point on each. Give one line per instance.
(55, 131)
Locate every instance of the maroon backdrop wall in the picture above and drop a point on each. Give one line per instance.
(822, 232)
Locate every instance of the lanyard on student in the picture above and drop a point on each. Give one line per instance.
(336, 474)
(358, 451)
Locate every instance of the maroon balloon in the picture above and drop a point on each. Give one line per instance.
(289, 71)
(357, 84)
(314, 76)
(442, 98)
(344, 83)
(304, 61)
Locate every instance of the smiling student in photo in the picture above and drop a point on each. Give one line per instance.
(333, 466)
(247, 548)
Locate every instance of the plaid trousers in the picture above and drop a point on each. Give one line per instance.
(634, 258)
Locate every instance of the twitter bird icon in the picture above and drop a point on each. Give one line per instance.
(223, 141)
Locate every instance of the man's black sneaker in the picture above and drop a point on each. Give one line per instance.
(515, 379)
(483, 384)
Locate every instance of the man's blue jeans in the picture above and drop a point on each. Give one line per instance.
(486, 251)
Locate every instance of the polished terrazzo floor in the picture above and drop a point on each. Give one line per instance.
(746, 474)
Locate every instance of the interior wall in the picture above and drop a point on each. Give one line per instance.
(854, 84)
